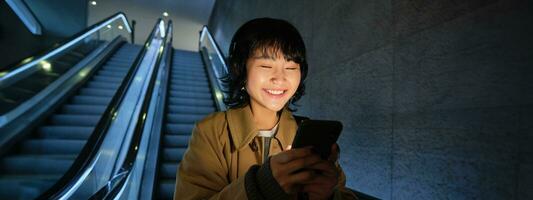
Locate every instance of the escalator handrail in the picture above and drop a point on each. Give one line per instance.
(24, 65)
(220, 53)
(131, 156)
(91, 147)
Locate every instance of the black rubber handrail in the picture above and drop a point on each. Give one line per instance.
(127, 165)
(64, 41)
(95, 140)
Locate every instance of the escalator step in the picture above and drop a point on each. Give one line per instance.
(173, 154)
(191, 109)
(83, 109)
(24, 188)
(185, 77)
(190, 83)
(65, 132)
(98, 85)
(110, 73)
(179, 129)
(176, 141)
(183, 118)
(166, 189)
(189, 88)
(169, 170)
(74, 120)
(52, 146)
(97, 92)
(196, 95)
(107, 79)
(189, 101)
(90, 100)
(27, 164)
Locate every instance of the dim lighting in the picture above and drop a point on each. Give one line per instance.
(109, 26)
(93, 3)
(120, 27)
(47, 67)
(27, 60)
(165, 14)
(3, 74)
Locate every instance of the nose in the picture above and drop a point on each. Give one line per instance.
(278, 76)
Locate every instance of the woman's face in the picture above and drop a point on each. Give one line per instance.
(271, 81)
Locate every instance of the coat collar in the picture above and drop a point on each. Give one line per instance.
(243, 131)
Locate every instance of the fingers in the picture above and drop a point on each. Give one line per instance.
(327, 168)
(302, 163)
(293, 154)
(335, 151)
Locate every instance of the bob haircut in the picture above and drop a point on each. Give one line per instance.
(270, 37)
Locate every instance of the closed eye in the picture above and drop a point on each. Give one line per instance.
(291, 68)
(265, 66)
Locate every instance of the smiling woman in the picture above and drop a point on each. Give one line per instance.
(230, 155)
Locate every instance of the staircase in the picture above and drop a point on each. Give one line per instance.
(38, 161)
(189, 100)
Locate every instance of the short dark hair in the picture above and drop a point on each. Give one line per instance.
(270, 36)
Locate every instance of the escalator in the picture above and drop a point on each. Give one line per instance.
(189, 99)
(38, 161)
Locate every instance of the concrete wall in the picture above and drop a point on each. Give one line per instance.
(436, 96)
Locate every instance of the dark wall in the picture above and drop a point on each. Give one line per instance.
(436, 97)
(59, 19)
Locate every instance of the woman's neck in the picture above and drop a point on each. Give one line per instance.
(264, 119)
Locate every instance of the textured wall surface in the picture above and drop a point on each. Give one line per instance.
(436, 96)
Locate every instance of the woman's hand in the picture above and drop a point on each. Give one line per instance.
(323, 184)
(287, 168)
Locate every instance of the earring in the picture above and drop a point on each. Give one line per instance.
(242, 89)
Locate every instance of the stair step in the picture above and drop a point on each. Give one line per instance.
(179, 129)
(191, 109)
(176, 141)
(190, 102)
(90, 100)
(97, 92)
(65, 132)
(52, 146)
(83, 109)
(183, 118)
(74, 120)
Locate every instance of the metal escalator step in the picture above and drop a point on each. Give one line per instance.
(26, 164)
(179, 129)
(107, 79)
(110, 73)
(186, 77)
(173, 155)
(190, 101)
(90, 100)
(189, 88)
(197, 95)
(97, 92)
(187, 67)
(74, 120)
(169, 170)
(24, 188)
(166, 189)
(189, 73)
(191, 109)
(179, 118)
(176, 140)
(83, 109)
(52, 146)
(99, 85)
(65, 132)
(190, 83)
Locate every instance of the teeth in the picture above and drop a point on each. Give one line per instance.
(275, 91)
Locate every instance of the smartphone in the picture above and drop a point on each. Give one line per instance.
(321, 134)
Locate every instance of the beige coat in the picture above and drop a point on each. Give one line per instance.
(220, 154)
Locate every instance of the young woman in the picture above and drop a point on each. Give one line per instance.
(244, 152)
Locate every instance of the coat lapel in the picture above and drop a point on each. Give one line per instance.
(243, 130)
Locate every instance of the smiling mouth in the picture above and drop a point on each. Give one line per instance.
(275, 92)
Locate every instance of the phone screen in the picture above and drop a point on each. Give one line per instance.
(321, 134)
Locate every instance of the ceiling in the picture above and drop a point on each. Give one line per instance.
(188, 17)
